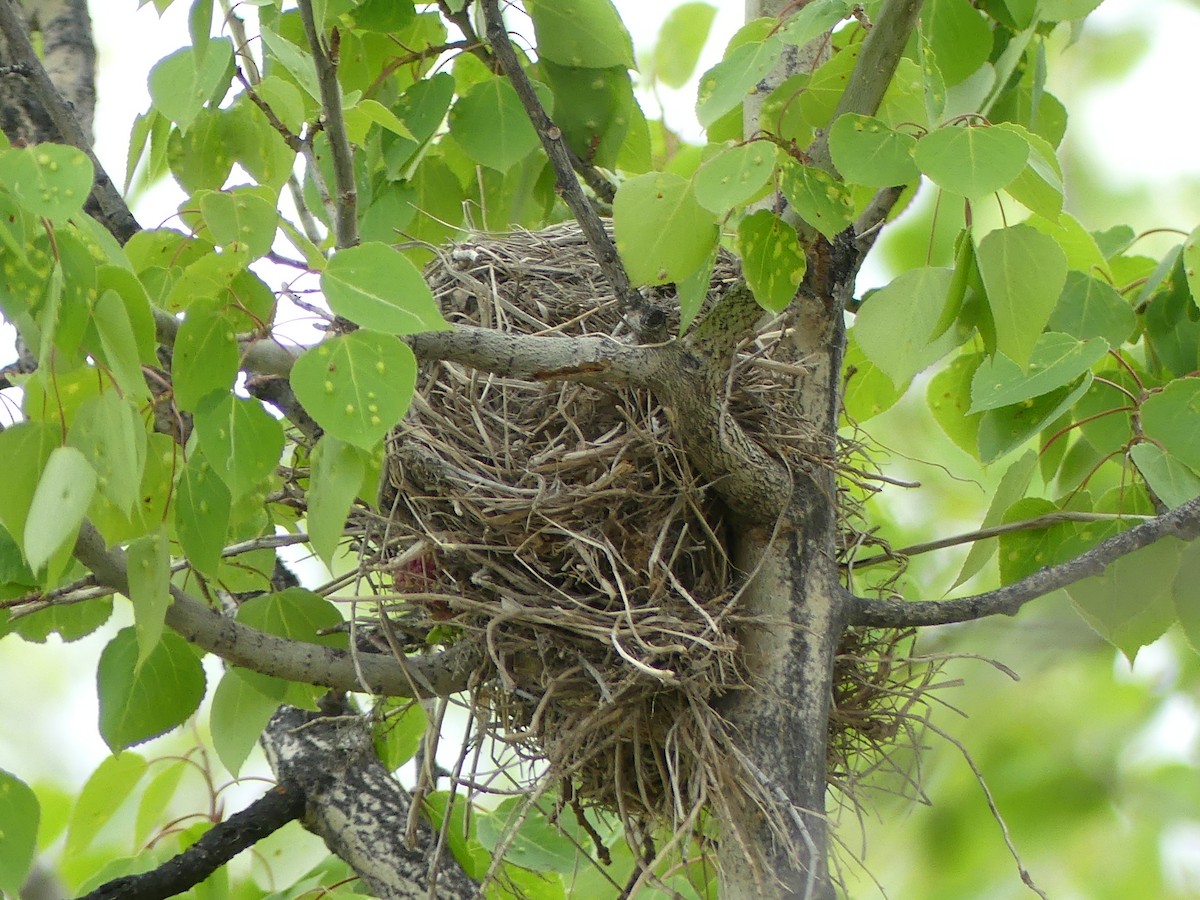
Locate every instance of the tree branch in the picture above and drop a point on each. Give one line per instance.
(1182, 522)
(555, 145)
(426, 676)
(357, 807)
(115, 215)
(223, 842)
(345, 205)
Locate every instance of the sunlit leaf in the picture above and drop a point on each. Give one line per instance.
(537, 844)
(149, 589)
(866, 151)
(813, 19)
(102, 795)
(378, 288)
(823, 202)
(400, 726)
(1011, 488)
(894, 323)
(734, 176)
(972, 162)
(179, 87)
(581, 33)
(663, 234)
(110, 434)
(63, 493)
(337, 476)
(240, 220)
(19, 815)
(357, 385)
(1191, 264)
(724, 86)
(949, 398)
(205, 357)
(959, 37)
(680, 41)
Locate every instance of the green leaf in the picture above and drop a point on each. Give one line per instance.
(585, 33)
(19, 817)
(1058, 359)
(119, 342)
(200, 159)
(972, 161)
(399, 728)
(206, 356)
(157, 797)
(296, 614)
(149, 589)
(1005, 429)
(1191, 264)
(693, 291)
(384, 15)
(1023, 272)
(1011, 488)
(593, 108)
(1171, 418)
(491, 125)
(202, 505)
(241, 440)
(868, 390)
(1091, 308)
(298, 63)
(734, 176)
(24, 447)
(959, 36)
(110, 434)
(357, 385)
(240, 220)
(59, 505)
(1064, 10)
(376, 287)
(726, 84)
(949, 396)
(139, 702)
(365, 113)
(893, 324)
(866, 151)
(338, 469)
(1039, 187)
(1081, 249)
(813, 19)
(663, 234)
(237, 718)
(181, 84)
(1133, 602)
(102, 795)
(1170, 480)
(536, 845)
(49, 180)
(821, 201)
(1187, 601)
(773, 261)
(680, 41)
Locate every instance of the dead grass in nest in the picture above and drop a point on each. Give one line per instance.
(560, 526)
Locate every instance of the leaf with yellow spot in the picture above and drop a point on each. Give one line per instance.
(49, 180)
(772, 259)
(823, 203)
(357, 385)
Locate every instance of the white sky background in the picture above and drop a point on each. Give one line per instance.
(1156, 143)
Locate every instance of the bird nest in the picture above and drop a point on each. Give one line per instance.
(561, 527)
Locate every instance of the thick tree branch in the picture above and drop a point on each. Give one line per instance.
(555, 145)
(345, 203)
(223, 842)
(440, 675)
(115, 215)
(1182, 523)
(357, 807)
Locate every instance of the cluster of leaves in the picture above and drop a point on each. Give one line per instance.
(1043, 333)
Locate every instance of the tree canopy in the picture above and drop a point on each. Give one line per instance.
(597, 452)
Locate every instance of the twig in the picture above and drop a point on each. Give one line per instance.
(555, 145)
(221, 843)
(325, 56)
(1182, 522)
(440, 675)
(116, 215)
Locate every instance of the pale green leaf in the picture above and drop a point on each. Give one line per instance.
(202, 506)
(112, 437)
(1171, 418)
(663, 234)
(338, 469)
(734, 176)
(1064, 10)
(1186, 595)
(157, 797)
(949, 397)
(399, 728)
(240, 220)
(117, 338)
(822, 201)
(357, 385)
(149, 589)
(1170, 480)
(296, 614)
(724, 86)
(536, 845)
(813, 19)
(1039, 187)
(869, 391)
(866, 151)
(19, 819)
(102, 795)
(24, 447)
(1058, 359)
(1133, 602)
(50, 180)
(894, 324)
(206, 356)
(365, 113)
(237, 718)
(959, 36)
(376, 287)
(180, 86)
(773, 262)
(297, 63)
(1011, 488)
(971, 161)
(1023, 271)
(682, 37)
(586, 33)
(59, 504)
(139, 702)
(491, 125)
(240, 439)
(1191, 264)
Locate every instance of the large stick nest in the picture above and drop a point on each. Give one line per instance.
(561, 526)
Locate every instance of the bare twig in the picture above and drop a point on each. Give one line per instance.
(325, 56)
(1182, 522)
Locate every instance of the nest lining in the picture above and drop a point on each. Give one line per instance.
(561, 525)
